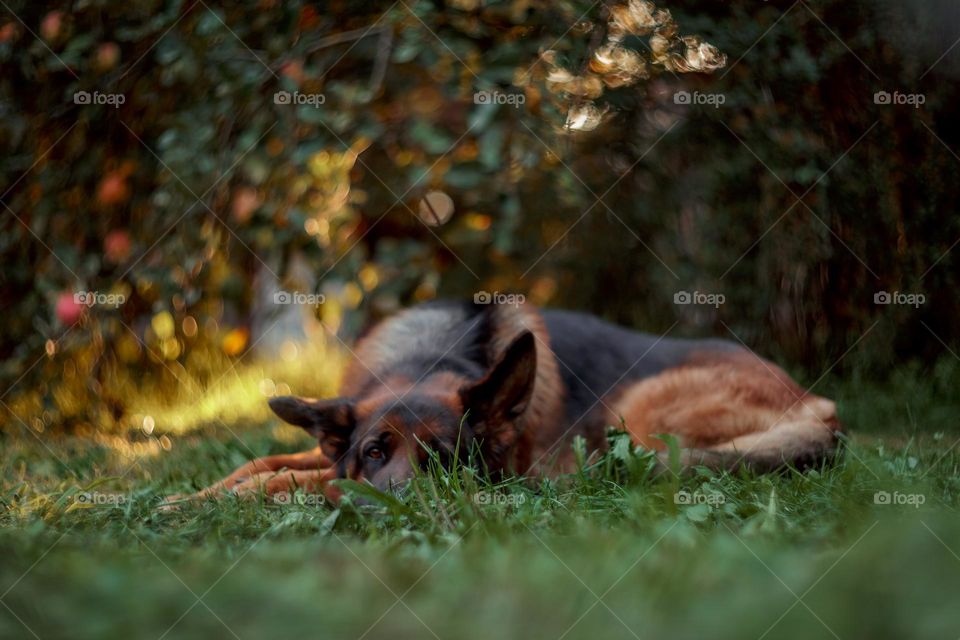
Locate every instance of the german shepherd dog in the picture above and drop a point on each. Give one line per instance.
(517, 384)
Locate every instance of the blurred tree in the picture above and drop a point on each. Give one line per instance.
(167, 152)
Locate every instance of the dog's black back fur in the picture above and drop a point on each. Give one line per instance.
(596, 356)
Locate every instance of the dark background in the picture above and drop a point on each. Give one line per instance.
(798, 199)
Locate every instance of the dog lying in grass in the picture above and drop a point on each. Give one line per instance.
(516, 385)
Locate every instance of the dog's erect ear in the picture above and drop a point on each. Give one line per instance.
(503, 394)
(331, 421)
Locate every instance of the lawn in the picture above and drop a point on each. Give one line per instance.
(864, 548)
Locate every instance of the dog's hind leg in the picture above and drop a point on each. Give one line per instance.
(731, 415)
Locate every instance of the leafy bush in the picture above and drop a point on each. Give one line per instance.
(170, 153)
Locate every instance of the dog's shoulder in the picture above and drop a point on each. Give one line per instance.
(412, 341)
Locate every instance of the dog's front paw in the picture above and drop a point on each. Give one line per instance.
(239, 484)
(249, 486)
(173, 502)
(267, 483)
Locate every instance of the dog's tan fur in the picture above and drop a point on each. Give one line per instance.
(742, 406)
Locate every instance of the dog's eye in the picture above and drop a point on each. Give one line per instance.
(374, 452)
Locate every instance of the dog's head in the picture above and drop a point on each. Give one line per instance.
(385, 434)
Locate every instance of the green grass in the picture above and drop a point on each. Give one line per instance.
(777, 556)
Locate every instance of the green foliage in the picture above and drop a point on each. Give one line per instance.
(175, 198)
